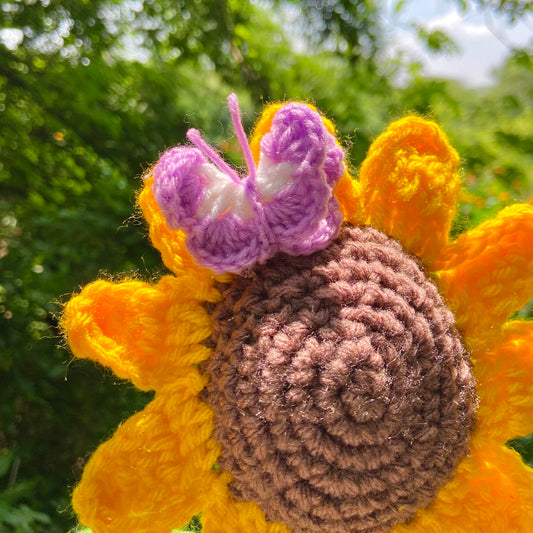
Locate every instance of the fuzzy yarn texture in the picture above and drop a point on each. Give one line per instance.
(343, 396)
(350, 342)
(285, 203)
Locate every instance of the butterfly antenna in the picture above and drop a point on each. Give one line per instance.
(233, 104)
(196, 138)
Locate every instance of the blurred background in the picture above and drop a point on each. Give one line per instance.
(92, 91)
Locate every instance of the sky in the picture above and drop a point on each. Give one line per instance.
(478, 38)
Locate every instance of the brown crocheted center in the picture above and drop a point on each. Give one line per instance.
(343, 396)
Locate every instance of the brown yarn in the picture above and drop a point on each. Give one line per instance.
(343, 396)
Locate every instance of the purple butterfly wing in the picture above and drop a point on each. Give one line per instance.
(195, 196)
(179, 186)
(299, 166)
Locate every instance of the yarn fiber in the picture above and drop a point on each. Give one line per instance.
(343, 396)
(285, 203)
(332, 371)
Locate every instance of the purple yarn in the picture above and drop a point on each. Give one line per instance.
(326, 232)
(297, 136)
(228, 244)
(232, 224)
(334, 162)
(179, 186)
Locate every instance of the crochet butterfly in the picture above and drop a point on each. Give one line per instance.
(284, 204)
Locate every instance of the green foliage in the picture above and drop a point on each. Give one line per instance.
(14, 515)
(90, 97)
(492, 132)
(512, 9)
(194, 526)
(436, 40)
(347, 27)
(524, 446)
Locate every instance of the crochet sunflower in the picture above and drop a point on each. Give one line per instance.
(324, 359)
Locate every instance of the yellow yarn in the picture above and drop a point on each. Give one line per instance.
(157, 471)
(490, 493)
(145, 333)
(495, 261)
(409, 186)
(506, 387)
(223, 513)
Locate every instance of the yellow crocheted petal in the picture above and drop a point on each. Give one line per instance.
(505, 385)
(410, 183)
(492, 492)
(224, 514)
(156, 471)
(145, 333)
(170, 243)
(262, 127)
(347, 191)
(487, 274)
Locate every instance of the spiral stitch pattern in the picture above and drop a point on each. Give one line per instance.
(343, 396)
